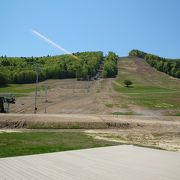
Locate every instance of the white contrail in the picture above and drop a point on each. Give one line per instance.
(53, 43)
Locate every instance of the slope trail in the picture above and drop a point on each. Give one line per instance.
(69, 96)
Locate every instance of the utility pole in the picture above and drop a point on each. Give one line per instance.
(37, 79)
(37, 68)
(88, 82)
(46, 100)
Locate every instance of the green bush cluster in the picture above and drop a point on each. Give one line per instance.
(22, 69)
(168, 66)
(110, 68)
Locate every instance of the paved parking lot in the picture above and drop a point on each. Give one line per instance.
(124, 162)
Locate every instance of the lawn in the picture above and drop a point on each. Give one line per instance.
(145, 89)
(150, 88)
(26, 143)
(19, 89)
(152, 97)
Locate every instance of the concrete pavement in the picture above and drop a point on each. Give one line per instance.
(124, 162)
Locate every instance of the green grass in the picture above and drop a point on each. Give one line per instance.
(145, 89)
(152, 97)
(150, 89)
(26, 143)
(19, 88)
(158, 101)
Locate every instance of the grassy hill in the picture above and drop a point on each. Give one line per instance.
(152, 92)
(151, 88)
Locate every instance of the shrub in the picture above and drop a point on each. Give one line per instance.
(128, 83)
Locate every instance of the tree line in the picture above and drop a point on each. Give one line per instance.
(20, 70)
(168, 66)
(110, 68)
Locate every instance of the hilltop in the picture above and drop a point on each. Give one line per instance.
(153, 93)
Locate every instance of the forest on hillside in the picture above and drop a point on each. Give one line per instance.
(20, 70)
(168, 66)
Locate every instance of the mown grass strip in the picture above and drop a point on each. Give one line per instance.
(26, 143)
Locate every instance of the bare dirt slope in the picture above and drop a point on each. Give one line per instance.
(144, 74)
(98, 97)
(69, 96)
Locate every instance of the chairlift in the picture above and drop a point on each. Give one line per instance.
(5, 101)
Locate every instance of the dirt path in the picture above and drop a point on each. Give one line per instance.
(70, 96)
(79, 97)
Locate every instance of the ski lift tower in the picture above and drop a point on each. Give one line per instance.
(5, 101)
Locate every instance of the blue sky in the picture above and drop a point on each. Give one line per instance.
(90, 25)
